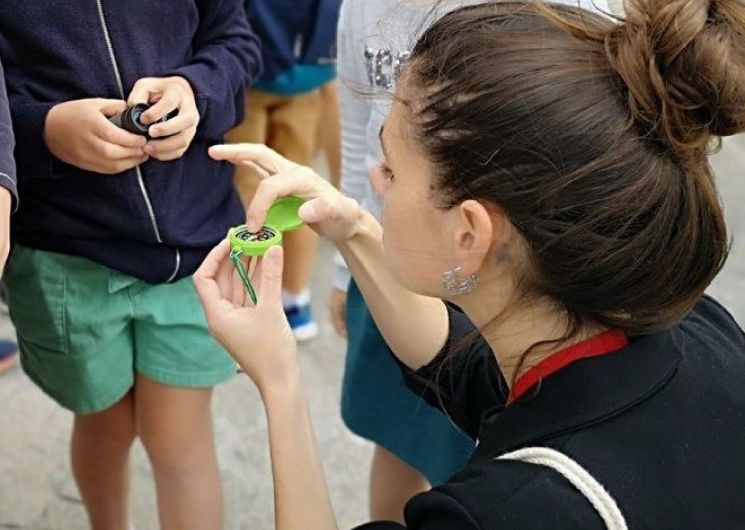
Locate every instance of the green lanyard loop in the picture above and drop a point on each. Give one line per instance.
(235, 257)
(281, 217)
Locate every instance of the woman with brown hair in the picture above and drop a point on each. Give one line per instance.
(545, 169)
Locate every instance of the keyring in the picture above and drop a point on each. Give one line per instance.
(281, 217)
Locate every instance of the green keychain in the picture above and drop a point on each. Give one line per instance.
(281, 217)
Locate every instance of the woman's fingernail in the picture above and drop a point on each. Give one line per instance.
(307, 211)
(273, 256)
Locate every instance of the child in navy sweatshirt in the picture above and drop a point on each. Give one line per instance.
(112, 225)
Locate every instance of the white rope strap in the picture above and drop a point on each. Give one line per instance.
(617, 7)
(600, 499)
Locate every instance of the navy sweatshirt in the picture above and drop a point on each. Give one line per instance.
(294, 33)
(156, 222)
(7, 164)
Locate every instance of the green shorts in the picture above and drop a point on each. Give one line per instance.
(84, 330)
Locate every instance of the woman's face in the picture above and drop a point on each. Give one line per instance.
(416, 234)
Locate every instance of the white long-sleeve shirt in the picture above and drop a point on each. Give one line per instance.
(373, 41)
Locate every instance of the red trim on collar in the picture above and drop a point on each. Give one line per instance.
(602, 344)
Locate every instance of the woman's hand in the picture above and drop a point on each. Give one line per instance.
(259, 338)
(326, 210)
(338, 311)
(6, 207)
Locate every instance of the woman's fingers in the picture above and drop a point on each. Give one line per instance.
(224, 278)
(267, 278)
(299, 182)
(257, 170)
(327, 208)
(270, 287)
(239, 291)
(264, 157)
(323, 201)
(333, 216)
(285, 178)
(211, 263)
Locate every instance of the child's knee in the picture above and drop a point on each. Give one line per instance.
(176, 453)
(114, 428)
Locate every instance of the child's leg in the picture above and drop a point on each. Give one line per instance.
(251, 130)
(100, 456)
(75, 334)
(301, 245)
(287, 125)
(177, 364)
(293, 132)
(290, 126)
(175, 425)
(329, 140)
(392, 483)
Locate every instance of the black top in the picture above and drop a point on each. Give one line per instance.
(660, 424)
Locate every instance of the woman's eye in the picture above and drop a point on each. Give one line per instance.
(386, 172)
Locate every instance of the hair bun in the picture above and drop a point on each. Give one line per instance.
(683, 63)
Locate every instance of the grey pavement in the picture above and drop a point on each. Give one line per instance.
(36, 488)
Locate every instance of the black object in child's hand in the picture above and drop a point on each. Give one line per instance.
(129, 120)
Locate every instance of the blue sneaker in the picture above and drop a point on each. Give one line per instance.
(8, 355)
(301, 321)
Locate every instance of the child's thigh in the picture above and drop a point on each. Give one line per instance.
(75, 335)
(293, 127)
(253, 128)
(173, 345)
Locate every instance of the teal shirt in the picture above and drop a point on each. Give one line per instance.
(299, 79)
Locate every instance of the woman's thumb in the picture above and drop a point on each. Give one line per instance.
(271, 275)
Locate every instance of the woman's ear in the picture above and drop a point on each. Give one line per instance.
(474, 234)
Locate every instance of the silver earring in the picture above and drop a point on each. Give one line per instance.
(456, 285)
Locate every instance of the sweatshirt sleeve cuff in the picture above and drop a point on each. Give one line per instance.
(197, 75)
(35, 160)
(9, 184)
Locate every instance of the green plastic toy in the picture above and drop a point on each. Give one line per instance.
(281, 217)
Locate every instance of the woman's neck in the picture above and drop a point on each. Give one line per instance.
(522, 334)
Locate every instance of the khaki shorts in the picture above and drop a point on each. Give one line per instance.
(288, 124)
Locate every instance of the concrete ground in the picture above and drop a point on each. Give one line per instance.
(37, 491)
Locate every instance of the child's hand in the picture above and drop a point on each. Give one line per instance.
(78, 132)
(259, 338)
(331, 214)
(167, 94)
(6, 202)
(338, 311)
